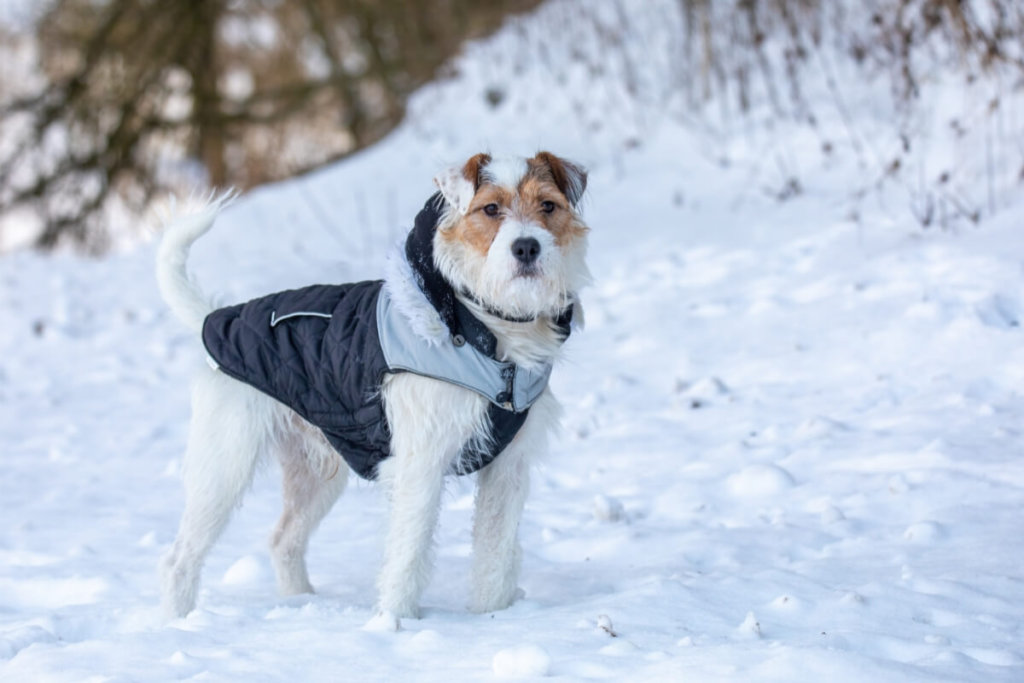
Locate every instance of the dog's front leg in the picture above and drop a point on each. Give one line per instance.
(502, 488)
(415, 494)
(430, 421)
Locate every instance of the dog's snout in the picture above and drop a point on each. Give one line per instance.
(526, 250)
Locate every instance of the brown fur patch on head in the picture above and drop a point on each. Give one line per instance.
(570, 179)
(471, 171)
(533, 191)
(476, 228)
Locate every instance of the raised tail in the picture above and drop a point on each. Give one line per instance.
(179, 290)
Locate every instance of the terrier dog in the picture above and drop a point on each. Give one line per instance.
(440, 369)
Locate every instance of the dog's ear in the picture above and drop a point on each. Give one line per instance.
(570, 178)
(458, 185)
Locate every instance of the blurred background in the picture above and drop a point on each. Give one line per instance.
(107, 105)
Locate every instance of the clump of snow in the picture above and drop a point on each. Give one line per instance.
(524, 661)
(246, 571)
(428, 640)
(750, 629)
(383, 622)
(148, 540)
(759, 480)
(608, 509)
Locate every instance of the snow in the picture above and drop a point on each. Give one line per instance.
(792, 434)
(521, 662)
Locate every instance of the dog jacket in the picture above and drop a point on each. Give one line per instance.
(324, 351)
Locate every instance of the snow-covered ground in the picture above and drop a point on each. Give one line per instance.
(792, 445)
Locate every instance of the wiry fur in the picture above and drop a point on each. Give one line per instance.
(235, 426)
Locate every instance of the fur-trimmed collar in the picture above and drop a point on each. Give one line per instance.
(401, 286)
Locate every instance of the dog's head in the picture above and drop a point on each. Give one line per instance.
(511, 233)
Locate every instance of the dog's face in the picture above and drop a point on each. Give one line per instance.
(511, 234)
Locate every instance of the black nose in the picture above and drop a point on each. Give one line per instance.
(526, 250)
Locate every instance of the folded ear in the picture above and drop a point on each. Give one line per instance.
(569, 177)
(458, 185)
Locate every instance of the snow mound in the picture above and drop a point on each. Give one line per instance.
(246, 571)
(524, 661)
(756, 481)
(750, 629)
(11, 642)
(620, 648)
(383, 622)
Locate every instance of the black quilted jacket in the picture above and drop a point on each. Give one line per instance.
(317, 351)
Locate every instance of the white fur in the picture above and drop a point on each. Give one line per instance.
(405, 294)
(506, 171)
(234, 427)
(178, 289)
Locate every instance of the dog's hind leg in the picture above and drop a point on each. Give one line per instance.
(231, 426)
(502, 488)
(314, 476)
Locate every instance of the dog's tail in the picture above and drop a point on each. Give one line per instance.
(179, 290)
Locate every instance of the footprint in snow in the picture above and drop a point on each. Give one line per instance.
(702, 392)
(1000, 311)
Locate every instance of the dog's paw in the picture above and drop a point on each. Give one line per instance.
(383, 622)
(401, 606)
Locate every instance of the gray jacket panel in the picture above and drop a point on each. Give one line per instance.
(504, 384)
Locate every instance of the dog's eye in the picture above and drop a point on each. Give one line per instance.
(492, 209)
(547, 207)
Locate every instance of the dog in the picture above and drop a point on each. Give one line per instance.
(440, 369)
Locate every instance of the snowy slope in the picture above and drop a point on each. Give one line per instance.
(792, 436)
